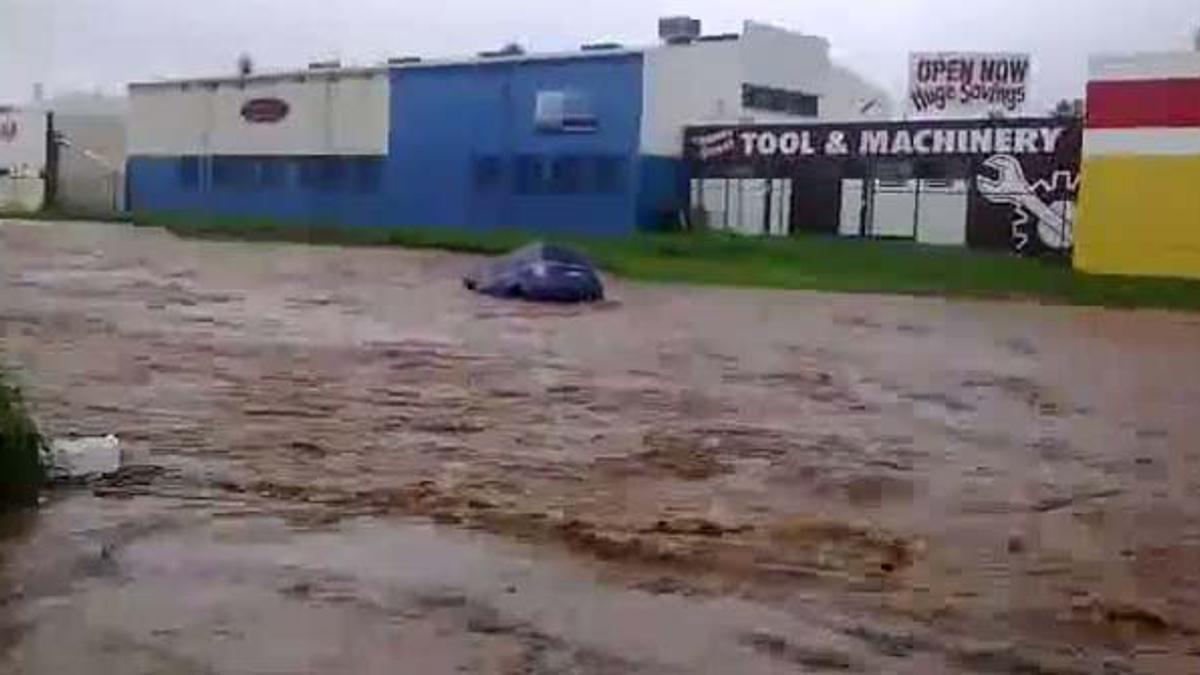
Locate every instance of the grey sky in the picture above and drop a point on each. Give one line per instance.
(84, 44)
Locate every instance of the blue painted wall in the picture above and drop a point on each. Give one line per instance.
(464, 152)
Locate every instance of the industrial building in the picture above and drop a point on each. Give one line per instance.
(586, 142)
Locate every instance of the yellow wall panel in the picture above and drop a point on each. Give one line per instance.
(1139, 215)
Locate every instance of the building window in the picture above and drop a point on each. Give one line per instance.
(530, 175)
(189, 173)
(784, 101)
(564, 112)
(567, 175)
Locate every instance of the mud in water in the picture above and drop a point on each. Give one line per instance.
(337, 460)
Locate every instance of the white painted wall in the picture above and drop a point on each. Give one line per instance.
(91, 169)
(702, 83)
(1145, 66)
(22, 194)
(774, 57)
(169, 120)
(24, 151)
(327, 114)
(687, 84)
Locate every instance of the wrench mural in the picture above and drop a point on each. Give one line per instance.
(1044, 209)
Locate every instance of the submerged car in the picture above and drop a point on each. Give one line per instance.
(539, 272)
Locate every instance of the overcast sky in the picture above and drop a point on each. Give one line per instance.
(85, 44)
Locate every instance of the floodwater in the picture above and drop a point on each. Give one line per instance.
(340, 461)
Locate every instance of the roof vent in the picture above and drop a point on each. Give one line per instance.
(719, 37)
(675, 30)
(324, 65)
(601, 46)
(510, 49)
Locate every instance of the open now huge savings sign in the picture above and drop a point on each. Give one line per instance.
(967, 84)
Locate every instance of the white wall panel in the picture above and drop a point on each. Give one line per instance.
(1145, 66)
(687, 84)
(169, 120)
(774, 57)
(326, 114)
(23, 141)
(714, 199)
(361, 115)
(892, 215)
(1145, 142)
(21, 194)
(943, 213)
(852, 205)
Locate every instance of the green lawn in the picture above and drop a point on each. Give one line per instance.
(20, 445)
(806, 262)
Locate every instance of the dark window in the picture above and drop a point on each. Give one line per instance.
(609, 173)
(771, 99)
(367, 174)
(189, 172)
(567, 175)
(530, 174)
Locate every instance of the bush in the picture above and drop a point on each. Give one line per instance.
(20, 451)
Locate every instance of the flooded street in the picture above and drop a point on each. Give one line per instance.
(338, 460)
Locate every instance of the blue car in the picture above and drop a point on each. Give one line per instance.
(538, 272)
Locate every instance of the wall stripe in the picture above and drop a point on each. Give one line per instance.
(1146, 66)
(1144, 103)
(1141, 142)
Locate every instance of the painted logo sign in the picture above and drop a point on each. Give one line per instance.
(898, 140)
(1022, 175)
(956, 84)
(265, 110)
(8, 130)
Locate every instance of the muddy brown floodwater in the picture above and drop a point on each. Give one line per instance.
(337, 460)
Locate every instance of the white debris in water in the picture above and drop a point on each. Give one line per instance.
(87, 457)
